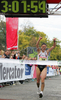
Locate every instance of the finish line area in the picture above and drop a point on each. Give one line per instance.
(15, 70)
(28, 90)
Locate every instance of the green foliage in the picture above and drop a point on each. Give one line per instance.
(23, 41)
(34, 54)
(29, 37)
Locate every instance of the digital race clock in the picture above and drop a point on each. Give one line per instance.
(23, 7)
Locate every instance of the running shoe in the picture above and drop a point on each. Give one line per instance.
(38, 92)
(40, 95)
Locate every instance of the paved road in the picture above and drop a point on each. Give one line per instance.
(27, 91)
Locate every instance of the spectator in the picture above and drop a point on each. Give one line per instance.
(18, 55)
(6, 54)
(3, 54)
(29, 58)
(9, 53)
(26, 58)
(35, 58)
(23, 57)
(11, 56)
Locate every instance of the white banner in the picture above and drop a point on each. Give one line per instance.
(11, 71)
(38, 62)
(14, 70)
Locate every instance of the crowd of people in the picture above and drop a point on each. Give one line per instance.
(14, 55)
(8, 54)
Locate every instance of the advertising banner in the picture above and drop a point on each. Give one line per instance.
(14, 70)
(11, 33)
(33, 71)
(10, 71)
(47, 70)
(27, 71)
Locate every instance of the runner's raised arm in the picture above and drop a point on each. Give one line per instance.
(54, 45)
(37, 44)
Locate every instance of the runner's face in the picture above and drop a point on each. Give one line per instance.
(43, 47)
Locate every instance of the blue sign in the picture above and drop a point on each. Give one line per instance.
(47, 70)
(27, 69)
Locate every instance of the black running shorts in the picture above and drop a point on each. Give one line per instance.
(41, 67)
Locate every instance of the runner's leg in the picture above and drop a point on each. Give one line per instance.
(43, 76)
(38, 78)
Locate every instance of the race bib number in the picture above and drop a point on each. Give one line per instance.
(42, 58)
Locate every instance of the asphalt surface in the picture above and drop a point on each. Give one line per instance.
(28, 90)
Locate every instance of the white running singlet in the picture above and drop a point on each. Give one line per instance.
(43, 55)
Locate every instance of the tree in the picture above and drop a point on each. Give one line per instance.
(32, 42)
(23, 41)
(2, 35)
(30, 37)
